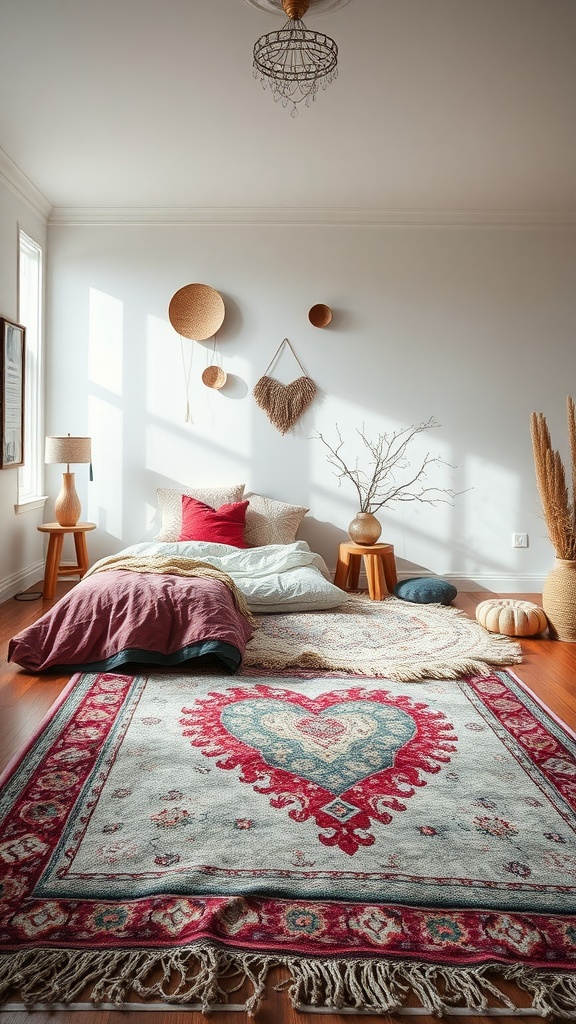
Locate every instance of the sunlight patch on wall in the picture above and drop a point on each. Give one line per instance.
(106, 325)
(183, 456)
(105, 502)
(493, 511)
(194, 434)
(165, 393)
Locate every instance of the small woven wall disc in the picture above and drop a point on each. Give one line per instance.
(196, 311)
(320, 315)
(214, 377)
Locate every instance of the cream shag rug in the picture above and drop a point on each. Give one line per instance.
(393, 639)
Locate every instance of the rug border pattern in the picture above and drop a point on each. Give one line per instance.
(539, 949)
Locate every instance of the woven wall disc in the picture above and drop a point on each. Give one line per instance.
(196, 311)
(214, 377)
(320, 315)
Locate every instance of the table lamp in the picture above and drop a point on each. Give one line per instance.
(68, 449)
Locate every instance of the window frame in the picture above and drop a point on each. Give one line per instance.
(30, 315)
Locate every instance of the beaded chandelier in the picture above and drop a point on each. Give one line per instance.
(294, 61)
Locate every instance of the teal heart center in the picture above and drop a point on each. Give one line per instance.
(334, 748)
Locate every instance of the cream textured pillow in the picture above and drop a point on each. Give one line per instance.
(271, 522)
(170, 504)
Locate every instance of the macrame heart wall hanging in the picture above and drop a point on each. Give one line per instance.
(284, 403)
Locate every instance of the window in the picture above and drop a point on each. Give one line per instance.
(30, 476)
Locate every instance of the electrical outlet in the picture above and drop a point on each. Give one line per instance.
(519, 540)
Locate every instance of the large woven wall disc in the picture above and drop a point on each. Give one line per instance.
(196, 311)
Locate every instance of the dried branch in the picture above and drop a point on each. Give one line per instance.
(385, 481)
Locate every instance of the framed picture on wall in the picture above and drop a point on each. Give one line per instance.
(12, 365)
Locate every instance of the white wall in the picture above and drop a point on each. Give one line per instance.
(471, 325)
(21, 546)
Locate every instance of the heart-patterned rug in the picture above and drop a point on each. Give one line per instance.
(164, 832)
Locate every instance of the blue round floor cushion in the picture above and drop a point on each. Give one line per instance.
(426, 590)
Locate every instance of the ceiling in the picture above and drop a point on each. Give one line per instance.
(440, 105)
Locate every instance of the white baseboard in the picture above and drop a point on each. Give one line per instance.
(502, 584)
(20, 581)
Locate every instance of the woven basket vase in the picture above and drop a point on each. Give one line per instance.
(559, 600)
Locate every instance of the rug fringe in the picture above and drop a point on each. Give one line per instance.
(381, 670)
(188, 975)
(195, 975)
(553, 993)
(380, 987)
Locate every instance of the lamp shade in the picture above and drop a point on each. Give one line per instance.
(68, 449)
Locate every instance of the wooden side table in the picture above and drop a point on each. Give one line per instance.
(379, 563)
(53, 569)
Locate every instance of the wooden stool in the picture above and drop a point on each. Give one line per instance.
(53, 569)
(379, 564)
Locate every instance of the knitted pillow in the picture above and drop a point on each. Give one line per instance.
(426, 590)
(271, 522)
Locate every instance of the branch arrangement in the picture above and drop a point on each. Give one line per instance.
(558, 507)
(388, 478)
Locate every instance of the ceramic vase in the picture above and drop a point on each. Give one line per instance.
(364, 529)
(67, 505)
(559, 600)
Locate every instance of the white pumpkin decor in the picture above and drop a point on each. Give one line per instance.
(511, 617)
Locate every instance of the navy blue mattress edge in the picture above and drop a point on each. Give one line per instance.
(226, 653)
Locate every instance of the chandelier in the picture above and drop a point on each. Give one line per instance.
(294, 61)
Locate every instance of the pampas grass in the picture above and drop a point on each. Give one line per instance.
(558, 505)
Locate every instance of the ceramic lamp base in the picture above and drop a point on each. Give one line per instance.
(67, 506)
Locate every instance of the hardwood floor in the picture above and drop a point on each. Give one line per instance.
(548, 668)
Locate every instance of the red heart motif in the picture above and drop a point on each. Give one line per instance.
(343, 815)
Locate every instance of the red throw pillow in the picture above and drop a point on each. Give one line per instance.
(220, 526)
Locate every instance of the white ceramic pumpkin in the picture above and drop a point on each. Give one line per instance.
(511, 617)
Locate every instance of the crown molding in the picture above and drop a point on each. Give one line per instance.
(22, 187)
(294, 216)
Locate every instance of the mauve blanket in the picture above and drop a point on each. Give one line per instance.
(117, 617)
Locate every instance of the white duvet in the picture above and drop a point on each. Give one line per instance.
(275, 578)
